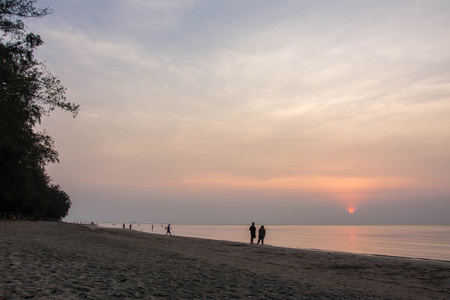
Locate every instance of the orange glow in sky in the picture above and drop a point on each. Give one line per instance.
(250, 128)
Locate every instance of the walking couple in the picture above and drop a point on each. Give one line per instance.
(261, 234)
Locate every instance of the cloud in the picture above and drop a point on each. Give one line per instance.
(200, 95)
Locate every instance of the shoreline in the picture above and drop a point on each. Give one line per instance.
(43, 260)
(96, 227)
(394, 248)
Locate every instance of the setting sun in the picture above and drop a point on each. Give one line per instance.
(351, 210)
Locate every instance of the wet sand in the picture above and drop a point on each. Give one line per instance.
(42, 260)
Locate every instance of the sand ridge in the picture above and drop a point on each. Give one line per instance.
(42, 260)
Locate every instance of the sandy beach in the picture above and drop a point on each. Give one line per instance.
(42, 260)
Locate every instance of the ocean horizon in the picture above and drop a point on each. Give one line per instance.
(413, 241)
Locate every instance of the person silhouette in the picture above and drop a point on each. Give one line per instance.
(168, 230)
(252, 232)
(261, 235)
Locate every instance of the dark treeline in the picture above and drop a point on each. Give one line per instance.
(27, 93)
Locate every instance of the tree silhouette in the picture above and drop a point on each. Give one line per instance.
(27, 92)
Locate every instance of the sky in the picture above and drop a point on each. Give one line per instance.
(228, 112)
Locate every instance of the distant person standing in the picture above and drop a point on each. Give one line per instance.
(123, 225)
(261, 235)
(130, 226)
(252, 232)
(168, 230)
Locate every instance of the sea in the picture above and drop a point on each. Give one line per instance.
(413, 241)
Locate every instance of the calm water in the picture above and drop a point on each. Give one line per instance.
(417, 241)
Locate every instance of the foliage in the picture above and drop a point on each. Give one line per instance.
(27, 92)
